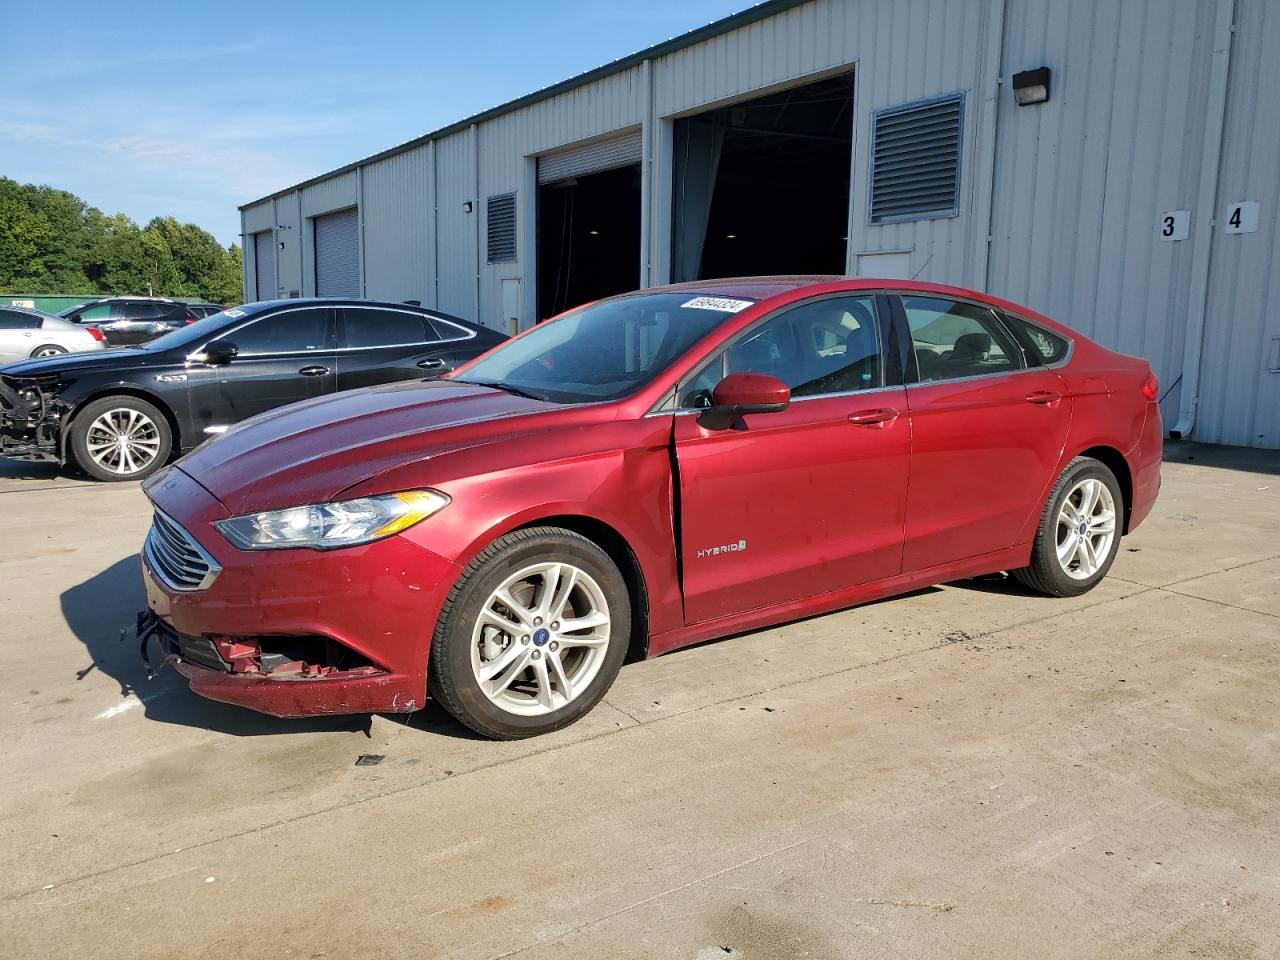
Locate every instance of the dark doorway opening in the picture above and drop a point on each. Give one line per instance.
(762, 187)
(588, 238)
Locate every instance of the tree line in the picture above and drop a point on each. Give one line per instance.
(51, 241)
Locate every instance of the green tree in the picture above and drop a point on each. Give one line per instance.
(51, 241)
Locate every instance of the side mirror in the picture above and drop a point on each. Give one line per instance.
(739, 394)
(219, 353)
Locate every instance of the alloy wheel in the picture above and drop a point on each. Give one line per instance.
(48, 352)
(540, 638)
(123, 441)
(1086, 528)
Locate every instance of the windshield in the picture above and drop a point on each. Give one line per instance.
(197, 332)
(604, 351)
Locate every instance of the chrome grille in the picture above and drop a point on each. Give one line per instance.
(175, 558)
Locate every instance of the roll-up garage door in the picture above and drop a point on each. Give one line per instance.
(264, 259)
(338, 254)
(603, 155)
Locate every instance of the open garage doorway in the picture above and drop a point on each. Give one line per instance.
(588, 231)
(762, 186)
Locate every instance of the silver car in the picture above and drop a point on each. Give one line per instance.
(30, 333)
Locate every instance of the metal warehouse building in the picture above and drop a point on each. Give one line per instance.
(893, 138)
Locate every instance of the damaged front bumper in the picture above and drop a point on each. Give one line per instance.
(279, 676)
(31, 418)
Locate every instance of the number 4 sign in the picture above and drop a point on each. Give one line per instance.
(1242, 217)
(1174, 225)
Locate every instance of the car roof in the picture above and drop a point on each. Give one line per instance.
(754, 288)
(31, 310)
(260, 305)
(124, 299)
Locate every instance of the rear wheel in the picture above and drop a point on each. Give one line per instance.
(532, 635)
(47, 350)
(120, 438)
(1079, 532)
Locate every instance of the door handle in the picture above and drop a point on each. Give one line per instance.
(1043, 396)
(873, 417)
(431, 363)
(316, 371)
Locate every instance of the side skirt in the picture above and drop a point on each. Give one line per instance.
(1011, 558)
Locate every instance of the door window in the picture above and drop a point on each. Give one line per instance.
(293, 331)
(953, 339)
(386, 328)
(15, 320)
(99, 311)
(823, 347)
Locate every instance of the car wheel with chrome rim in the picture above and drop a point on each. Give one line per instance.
(120, 438)
(532, 635)
(1079, 532)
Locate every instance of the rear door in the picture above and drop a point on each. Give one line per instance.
(384, 344)
(282, 357)
(987, 431)
(805, 501)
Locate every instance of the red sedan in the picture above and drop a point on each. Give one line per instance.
(634, 476)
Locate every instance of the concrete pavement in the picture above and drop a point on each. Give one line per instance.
(970, 771)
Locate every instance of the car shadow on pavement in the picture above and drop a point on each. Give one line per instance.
(998, 583)
(101, 612)
(31, 470)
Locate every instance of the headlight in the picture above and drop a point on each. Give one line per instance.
(324, 526)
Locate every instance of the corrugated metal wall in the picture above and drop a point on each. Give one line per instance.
(1068, 192)
(399, 251)
(1240, 373)
(1082, 179)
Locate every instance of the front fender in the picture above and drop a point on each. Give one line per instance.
(624, 484)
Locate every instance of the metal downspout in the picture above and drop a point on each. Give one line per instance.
(1206, 206)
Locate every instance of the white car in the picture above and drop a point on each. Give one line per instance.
(26, 333)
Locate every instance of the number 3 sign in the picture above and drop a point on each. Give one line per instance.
(1174, 225)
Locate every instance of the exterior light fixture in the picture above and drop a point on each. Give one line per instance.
(466, 206)
(1031, 87)
(731, 236)
(281, 244)
(594, 233)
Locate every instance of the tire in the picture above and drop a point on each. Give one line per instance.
(519, 698)
(47, 350)
(151, 440)
(1060, 565)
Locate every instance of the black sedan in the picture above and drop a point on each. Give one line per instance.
(125, 321)
(121, 414)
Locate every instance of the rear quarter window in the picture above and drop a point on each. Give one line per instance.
(1042, 347)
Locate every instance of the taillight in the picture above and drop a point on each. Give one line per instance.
(96, 334)
(1151, 389)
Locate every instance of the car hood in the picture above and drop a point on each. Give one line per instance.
(310, 452)
(122, 358)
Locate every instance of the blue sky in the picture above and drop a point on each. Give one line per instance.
(190, 109)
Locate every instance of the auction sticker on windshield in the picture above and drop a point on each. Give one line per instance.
(723, 304)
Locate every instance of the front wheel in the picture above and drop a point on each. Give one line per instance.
(120, 438)
(1079, 532)
(532, 635)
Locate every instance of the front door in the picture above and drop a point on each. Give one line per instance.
(383, 344)
(281, 358)
(806, 501)
(987, 433)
